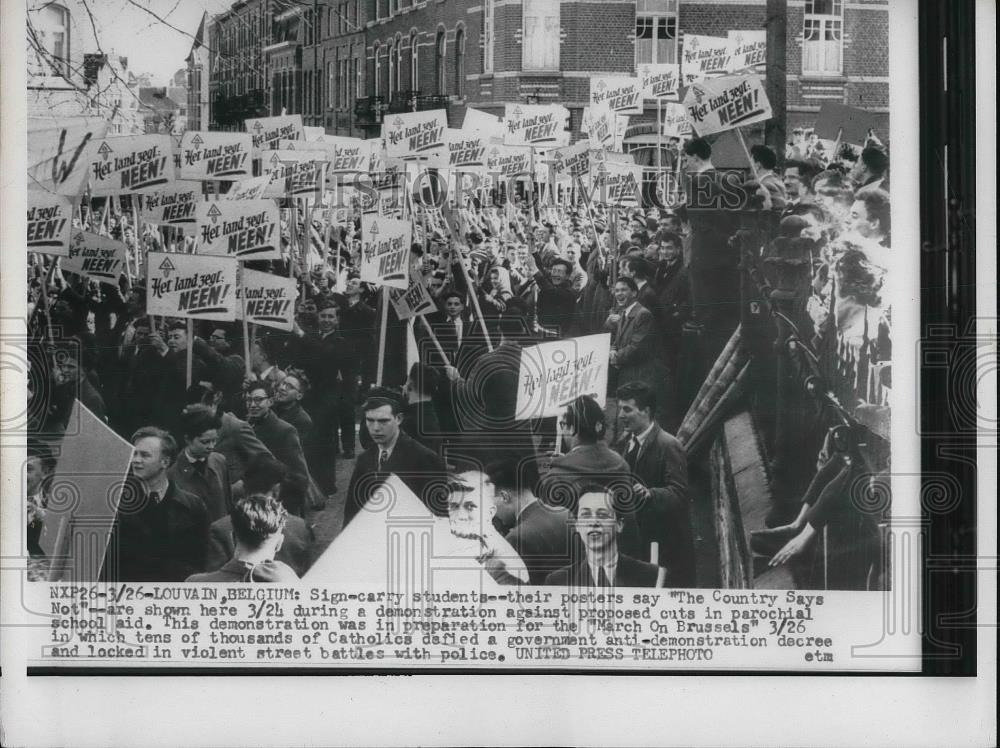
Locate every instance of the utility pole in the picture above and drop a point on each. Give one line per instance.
(777, 74)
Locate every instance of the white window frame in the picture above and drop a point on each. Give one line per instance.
(489, 33)
(378, 72)
(414, 61)
(543, 53)
(654, 12)
(818, 26)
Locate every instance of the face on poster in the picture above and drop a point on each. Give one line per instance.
(130, 164)
(50, 223)
(247, 229)
(191, 286)
(265, 132)
(176, 206)
(620, 94)
(385, 251)
(216, 155)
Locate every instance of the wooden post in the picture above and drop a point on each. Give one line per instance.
(746, 151)
(434, 338)
(776, 82)
(383, 328)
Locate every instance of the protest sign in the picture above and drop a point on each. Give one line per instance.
(414, 135)
(313, 134)
(50, 222)
(413, 301)
(537, 125)
(748, 49)
(466, 150)
(659, 81)
(265, 132)
(606, 128)
(350, 155)
(572, 161)
(488, 125)
(295, 173)
(248, 229)
(175, 206)
(191, 286)
(704, 56)
(849, 123)
(57, 152)
(86, 488)
(675, 122)
(130, 164)
(215, 155)
(266, 299)
(554, 374)
(620, 184)
(721, 104)
(620, 94)
(385, 251)
(248, 189)
(98, 257)
(509, 161)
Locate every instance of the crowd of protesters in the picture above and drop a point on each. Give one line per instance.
(235, 458)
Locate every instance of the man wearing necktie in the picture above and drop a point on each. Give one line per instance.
(599, 522)
(392, 452)
(160, 529)
(199, 469)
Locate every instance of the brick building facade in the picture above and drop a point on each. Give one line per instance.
(238, 78)
(345, 64)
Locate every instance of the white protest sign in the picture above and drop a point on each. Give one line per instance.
(466, 150)
(99, 257)
(704, 56)
(248, 189)
(175, 206)
(267, 299)
(50, 222)
(265, 132)
(216, 155)
(660, 81)
(620, 94)
(57, 152)
(295, 173)
(606, 128)
(748, 49)
(414, 135)
(620, 184)
(413, 301)
(191, 286)
(385, 251)
(536, 125)
(248, 229)
(721, 104)
(509, 161)
(554, 374)
(573, 160)
(675, 120)
(488, 125)
(349, 155)
(313, 134)
(130, 164)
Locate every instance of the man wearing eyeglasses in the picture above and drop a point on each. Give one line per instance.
(281, 438)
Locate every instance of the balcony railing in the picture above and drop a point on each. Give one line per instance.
(368, 111)
(431, 102)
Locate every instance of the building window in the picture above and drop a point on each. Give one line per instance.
(393, 7)
(358, 89)
(55, 35)
(488, 34)
(541, 35)
(822, 37)
(392, 70)
(378, 73)
(439, 71)
(460, 62)
(398, 82)
(655, 32)
(414, 62)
